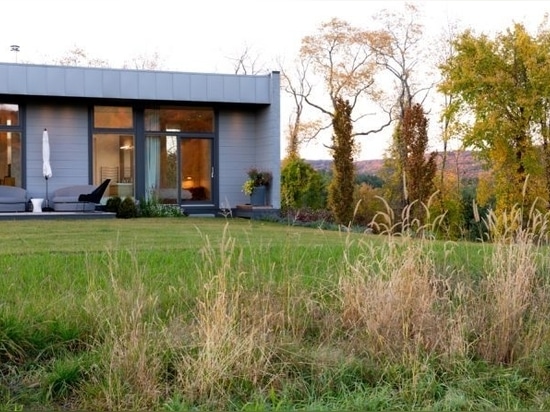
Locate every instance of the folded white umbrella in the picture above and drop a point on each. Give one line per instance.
(46, 166)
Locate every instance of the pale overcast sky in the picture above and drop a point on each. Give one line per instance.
(203, 36)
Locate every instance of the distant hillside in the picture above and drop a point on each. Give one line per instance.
(467, 165)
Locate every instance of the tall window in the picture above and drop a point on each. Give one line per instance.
(113, 149)
(178, 152)
(10, 145)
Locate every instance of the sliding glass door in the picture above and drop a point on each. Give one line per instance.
(178, 172)
(178, 155)
(196, 171)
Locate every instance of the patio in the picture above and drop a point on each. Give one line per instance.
(56, 215)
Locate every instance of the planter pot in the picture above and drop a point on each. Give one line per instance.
(258, 196)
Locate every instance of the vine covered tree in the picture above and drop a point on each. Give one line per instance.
(403, 57)
(344, 57)
(340, 195)
(419, 167)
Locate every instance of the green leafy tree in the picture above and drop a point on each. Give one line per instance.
(367, 199)
(301, 186)
(449, 210)
(501, 86)
(371, 180)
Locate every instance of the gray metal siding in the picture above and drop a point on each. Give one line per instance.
(243, 145)
(250, 139)
(237, 154)
(68, 134)
(86, 82)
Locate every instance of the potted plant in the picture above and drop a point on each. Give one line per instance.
(256, 185)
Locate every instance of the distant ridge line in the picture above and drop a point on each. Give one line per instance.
(468, 166)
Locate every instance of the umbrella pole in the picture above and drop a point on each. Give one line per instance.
(47, 205)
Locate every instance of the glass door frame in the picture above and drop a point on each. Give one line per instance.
(197, 180)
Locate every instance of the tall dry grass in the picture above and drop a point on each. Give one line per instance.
(128, 373)
(395, 304)
(248, 336)
(228, 342)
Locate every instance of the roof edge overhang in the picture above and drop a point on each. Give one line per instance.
(26, 80)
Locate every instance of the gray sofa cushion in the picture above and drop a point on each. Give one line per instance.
(12, 199)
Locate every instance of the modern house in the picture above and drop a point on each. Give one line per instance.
(185, 138)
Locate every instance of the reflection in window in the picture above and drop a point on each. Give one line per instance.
(196, 169)
(112, 117)
(114, 159)
(161, 168)
(10, 145)
(10, 158)
(168, 183)
(9, 114)
(187, 120)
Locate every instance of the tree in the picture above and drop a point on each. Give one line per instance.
(449, 131)
(499, 85)
(299, 130)
(247, 62)
(373, 181)
(419, 167)
(301, 186)
(144, 62)
(77, 56)
(340, 195)
(368, 203)
(344, 57)
(402, 53)
(401, 57)
(541, 82)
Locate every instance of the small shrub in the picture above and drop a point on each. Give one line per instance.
(127, 209)
(113, 203)
(151, 207)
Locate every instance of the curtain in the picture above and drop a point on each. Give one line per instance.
(152, 156)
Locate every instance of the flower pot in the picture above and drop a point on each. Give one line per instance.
(258, 196)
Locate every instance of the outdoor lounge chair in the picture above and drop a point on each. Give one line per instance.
(67, 199)
(96, 195)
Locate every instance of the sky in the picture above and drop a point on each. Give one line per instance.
(207, 35)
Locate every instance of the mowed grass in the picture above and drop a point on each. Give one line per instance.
(145, 234)
(185, 314)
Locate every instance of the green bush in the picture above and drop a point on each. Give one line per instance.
(302, 186)
(113, 203)
(127, 209)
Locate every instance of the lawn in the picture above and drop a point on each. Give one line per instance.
(182, 314)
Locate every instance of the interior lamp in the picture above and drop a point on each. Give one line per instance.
(188, 182)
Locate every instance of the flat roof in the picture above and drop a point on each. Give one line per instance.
(91, 82)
